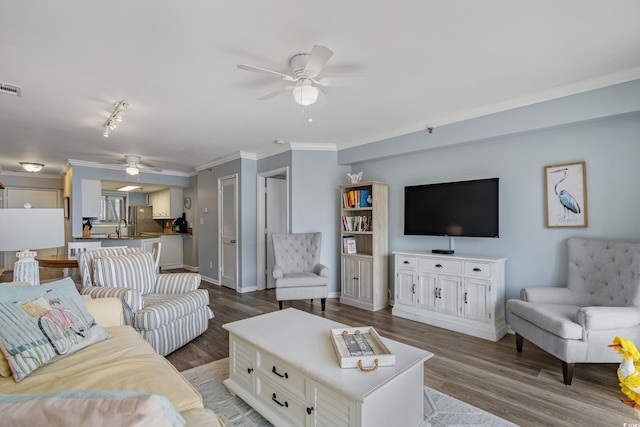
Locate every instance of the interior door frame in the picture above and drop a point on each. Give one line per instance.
(220, 208)
(261, 214)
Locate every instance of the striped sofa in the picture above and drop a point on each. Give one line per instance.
(167, 309)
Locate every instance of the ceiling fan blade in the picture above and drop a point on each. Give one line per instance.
(317, 59)
(265, 71)
(275, 93)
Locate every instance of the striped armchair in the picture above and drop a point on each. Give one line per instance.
(167, 309)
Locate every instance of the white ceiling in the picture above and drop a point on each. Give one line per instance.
(414, 63)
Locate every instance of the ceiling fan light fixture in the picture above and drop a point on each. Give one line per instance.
(132, 170)
(31, 166)
(305, 93)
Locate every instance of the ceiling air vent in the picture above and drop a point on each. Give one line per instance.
(8, 89)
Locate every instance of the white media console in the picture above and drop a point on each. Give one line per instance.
(461, 293)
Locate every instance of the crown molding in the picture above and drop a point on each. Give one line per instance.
(227, 159)
(497, 107)
(114, 166)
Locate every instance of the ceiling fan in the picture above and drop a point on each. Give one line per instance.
(133, 165)
(305, 68)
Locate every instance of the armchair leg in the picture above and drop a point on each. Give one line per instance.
(567, 372)
(280, 304)
(323, 303)
(519, 341)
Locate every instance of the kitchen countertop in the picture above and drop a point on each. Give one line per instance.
(140, 237)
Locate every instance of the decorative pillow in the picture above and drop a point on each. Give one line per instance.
(5, 369)
(79, 408)
(42, 324)
(133, 271)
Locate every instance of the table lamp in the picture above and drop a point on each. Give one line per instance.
(25, 229)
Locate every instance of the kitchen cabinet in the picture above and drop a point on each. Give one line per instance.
(166, 203)
(461, 293)
(91, 198)
(171, 251)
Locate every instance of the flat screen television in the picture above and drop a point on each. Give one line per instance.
(463, 208)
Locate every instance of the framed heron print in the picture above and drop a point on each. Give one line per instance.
(566, 195)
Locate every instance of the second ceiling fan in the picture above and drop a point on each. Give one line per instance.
(305, 68)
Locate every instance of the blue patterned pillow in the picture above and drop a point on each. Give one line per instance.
(42, 324)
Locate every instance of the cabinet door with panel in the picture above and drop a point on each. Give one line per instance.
(357, 278)
(404, 287)
(477, 299)
(91, 198)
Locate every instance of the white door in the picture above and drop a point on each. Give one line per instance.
(16, 198)
(275, 219)
(228, 247)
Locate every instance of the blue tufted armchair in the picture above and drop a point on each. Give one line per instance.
(576, 323)
(297, 270)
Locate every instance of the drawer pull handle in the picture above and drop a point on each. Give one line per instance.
(309, 410)
(477, 269)
(438, 265)
(275, 399)
(405, 262)
(275, 371)
(249, 370)
(465, 298)
(369, 369)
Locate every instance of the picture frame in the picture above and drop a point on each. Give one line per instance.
(65, 205)
(566, 195)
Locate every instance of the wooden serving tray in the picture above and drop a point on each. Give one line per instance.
(361, 348)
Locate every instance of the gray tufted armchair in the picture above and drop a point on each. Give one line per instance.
(297, 270)
(601, 301)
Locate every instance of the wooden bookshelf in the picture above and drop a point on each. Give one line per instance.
(364, 220)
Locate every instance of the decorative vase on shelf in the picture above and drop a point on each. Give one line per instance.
(355, 177)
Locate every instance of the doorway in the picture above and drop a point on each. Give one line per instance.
(273, 217)
(228, 220)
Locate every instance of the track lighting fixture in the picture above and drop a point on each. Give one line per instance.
(115, 117)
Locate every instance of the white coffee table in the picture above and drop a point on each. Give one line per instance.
(283, 365)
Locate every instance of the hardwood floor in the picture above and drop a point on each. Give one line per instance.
(525, 388)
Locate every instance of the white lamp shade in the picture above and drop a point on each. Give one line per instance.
(305, 93)
(132, 170)
(22, 229)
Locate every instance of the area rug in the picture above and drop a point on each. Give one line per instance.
(439, 409)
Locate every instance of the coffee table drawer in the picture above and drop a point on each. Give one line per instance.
(281, 401)
(281, 373)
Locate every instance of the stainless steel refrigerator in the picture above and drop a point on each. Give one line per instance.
(141, 221)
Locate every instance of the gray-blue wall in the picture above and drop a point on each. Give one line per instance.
(536, 254)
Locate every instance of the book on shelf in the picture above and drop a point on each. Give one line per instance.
(349, 245)
(357, 223)
(365, 199)
(356, 199)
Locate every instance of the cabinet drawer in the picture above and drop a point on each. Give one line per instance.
(281, 374)
(440, 266)
(478, 269)
(403, 261)
(281, 401)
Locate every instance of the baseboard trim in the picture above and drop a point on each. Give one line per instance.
(210, 280)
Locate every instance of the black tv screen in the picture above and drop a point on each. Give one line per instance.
(464, 208)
